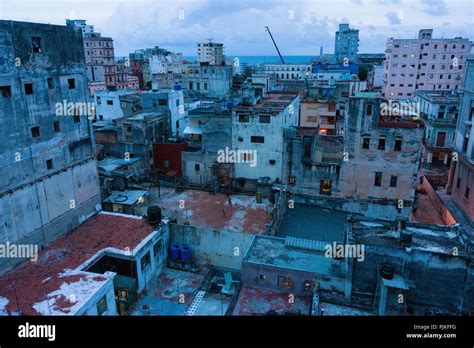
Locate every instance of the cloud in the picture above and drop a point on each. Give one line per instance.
(393, 18)
(435, 7)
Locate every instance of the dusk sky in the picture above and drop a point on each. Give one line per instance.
(300, 27)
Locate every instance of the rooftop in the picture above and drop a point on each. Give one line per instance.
(126, 197)
(258, 301)
(204, 210)
(291, 253)
(55, 283)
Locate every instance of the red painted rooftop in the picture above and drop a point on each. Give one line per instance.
(31, 282)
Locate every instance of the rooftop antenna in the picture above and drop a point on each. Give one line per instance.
(271, 36)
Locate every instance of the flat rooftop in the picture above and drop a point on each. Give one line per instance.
(126, 197)
(204, 210)
(55, 283)
(258, 301)
(427, 238)
(291, 254)
(311, 222)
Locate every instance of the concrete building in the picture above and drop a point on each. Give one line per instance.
(318, 113)
(461, 180)
(111, 105)
(210, 52)
(258, 125)
(424, 64)
(99, 54)
(288, 71)
(99, 269)
(346, 44)
(203, 80)
(440, 112)
(48, 175)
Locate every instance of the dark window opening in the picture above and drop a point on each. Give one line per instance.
(28, 88)
(381, 144)
(257, 139)
(36, 44)
(244, 117)
(378, 179)
(264, 118)
(110, 102)
(50, 82)
(71, 83)
(6, 91)
(49, 164)
(145, 260)
(369, 110)
(398, 145)
(393, 181)
(35, 132)
(466, 193)
(102, 306)
(76, 119)
(56, 127)
(366, 143)
(458, 182)
(197, 168)
(284, 281)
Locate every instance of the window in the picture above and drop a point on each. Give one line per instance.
(145, 260)
(366, 143)
(264, 118)
(369, 110)
(163, 102)
(35, 132)
(49, 164)
(378, 179)
(284, 281)
(166, 163)
(325, 187)
(398, 145)
(393, 181)
(197, 168)
(50, 82)
(458, 182)
(102, 306)
(56, 127)
(6, 91)
(244, 118)
(76, 119)
(257, 139)
(466, 193)
(110, 102)
(28, 88)
(36, 44)
(381, 145)
(440, 139)
(71, 83)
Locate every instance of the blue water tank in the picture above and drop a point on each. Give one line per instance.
(230, 105)
(174, 251)
(177, 87)
(185, 251)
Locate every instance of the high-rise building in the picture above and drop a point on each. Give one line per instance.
(461, 181)
(99, 54)
(48, 174)
(211, 52)
(346, 44)
(424, 64)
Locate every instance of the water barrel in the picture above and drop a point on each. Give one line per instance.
(387, 271)
(177, 87)
(185, 251)
(174, 251)
(154, 214)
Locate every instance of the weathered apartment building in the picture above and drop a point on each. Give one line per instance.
(424, 64)
(461, 180)
(210, 52)
(346, 44)
(48, 175)
(371, 170)
(258, 126)
(439, 111)
(99, 54)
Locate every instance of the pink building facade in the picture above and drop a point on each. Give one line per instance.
(424, 64)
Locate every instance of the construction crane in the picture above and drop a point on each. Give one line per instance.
(271, 36)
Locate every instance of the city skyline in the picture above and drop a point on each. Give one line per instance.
(300, 28)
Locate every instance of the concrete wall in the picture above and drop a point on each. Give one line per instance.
(448, 219)
(107, 290)
(218, 248)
